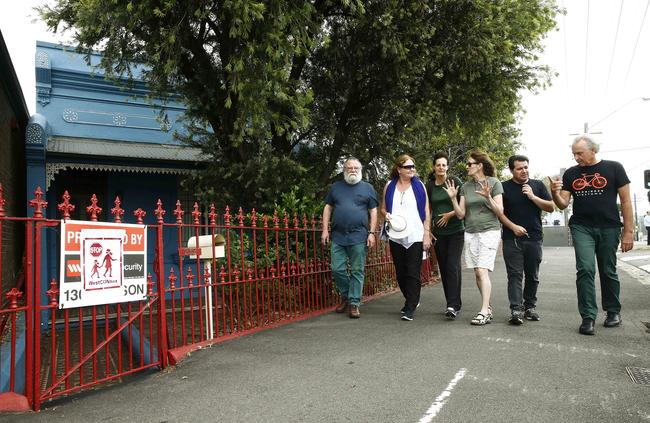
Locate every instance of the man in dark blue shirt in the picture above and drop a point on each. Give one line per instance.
(523, 201)
(350, 201)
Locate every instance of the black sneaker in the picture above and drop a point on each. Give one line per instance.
(516, 318)
(408, 316)
(531, 314)
(451, 313)
(403, 310)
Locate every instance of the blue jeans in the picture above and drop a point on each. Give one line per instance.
(522, 258)
(596, 246)
(348, 267)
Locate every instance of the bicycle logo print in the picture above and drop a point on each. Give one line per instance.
(596, 180)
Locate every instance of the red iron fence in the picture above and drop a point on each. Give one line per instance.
(258, 271)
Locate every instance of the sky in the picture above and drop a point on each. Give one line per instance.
(599, 53)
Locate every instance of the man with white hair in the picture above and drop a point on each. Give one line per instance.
(351, 201)
(595, 227)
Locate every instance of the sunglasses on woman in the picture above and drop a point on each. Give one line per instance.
(411, 167)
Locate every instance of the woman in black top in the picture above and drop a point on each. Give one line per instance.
(449, 232)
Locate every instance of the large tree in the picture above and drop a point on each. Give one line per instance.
(278, 91)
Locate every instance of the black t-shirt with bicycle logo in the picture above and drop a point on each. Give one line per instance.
(595, 190)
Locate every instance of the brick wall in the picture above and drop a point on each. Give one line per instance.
(12, 178)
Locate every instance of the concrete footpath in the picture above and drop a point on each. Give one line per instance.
(382, 369)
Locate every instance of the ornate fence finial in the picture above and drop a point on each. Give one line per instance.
(2, 202)
(172, 278)
(212, 215)
(190, 277)
(295, 220)
(13, 295)
(117, 211)
(139, 214)
(93, 209)
(159, 212)
(196, 214)
(227, 216)
(285, 220)
(254, 219)
(265, 221)
(240, 217)
(304, 221)
(53, 293)
(38, 203)
(178, 212)
(276, 221)
(66, 208)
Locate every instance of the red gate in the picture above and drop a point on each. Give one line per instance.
(273, 270)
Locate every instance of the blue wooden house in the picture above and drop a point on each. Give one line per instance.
(91, 135)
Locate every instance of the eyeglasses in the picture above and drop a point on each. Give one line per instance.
(470, 164)
(411, 167)
(352, 168)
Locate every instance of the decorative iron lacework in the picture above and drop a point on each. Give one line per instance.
(42, 60)
(34, 134)
(43, 95)
(51, 169)
(119, 119)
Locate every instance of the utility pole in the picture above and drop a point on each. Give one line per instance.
(586, 126)
(636, 221)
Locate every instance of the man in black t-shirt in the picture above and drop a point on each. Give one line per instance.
(523, 201)
(595, 227)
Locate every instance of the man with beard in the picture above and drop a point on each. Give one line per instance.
(523, 201)
(595, 227)
(350, 201)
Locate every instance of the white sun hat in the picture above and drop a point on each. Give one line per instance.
(397, 227)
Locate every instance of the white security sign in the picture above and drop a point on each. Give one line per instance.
(102, 263)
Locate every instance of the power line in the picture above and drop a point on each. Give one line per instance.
(566, 55)
(611, 61)
(629, 68)
(584, 82)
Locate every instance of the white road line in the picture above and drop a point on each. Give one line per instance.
(632, 258)
(442, 398)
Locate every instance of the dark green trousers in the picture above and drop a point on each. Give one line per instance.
(596, 246)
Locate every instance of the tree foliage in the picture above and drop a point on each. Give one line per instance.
(278, 91)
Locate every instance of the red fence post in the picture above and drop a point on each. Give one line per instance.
(29, 302)
(162, 308)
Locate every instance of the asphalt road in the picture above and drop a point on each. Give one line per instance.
(382, 369)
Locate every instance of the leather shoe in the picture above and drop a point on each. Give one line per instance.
(354, 312)
(587, 327)
(613, 319)
(343, 305)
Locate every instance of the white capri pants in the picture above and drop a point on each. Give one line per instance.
(481, 249)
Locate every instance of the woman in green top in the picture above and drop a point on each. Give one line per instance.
(479, 198)
(449, 232)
